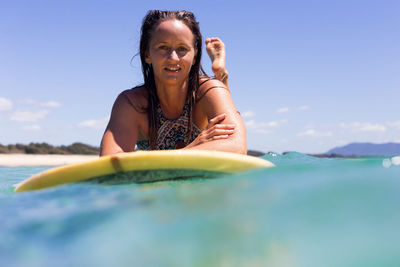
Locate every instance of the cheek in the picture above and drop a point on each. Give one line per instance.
(153, 57)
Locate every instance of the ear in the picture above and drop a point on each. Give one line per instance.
(147, 58)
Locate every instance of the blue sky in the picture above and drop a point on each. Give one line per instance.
(306, 75)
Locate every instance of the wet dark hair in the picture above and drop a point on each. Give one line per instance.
(150, 22)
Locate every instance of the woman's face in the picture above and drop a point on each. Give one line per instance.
(171, 52)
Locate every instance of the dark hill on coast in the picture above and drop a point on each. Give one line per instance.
(366, 149)
(44, 148)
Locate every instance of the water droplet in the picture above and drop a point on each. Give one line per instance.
(386, 163)
(396, 160)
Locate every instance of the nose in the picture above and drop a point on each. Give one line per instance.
(173, 55)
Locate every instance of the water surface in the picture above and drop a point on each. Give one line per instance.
(304, 212)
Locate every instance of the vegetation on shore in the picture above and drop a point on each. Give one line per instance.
(84, 149)
(44, 148)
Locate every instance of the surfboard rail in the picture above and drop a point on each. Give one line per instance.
(212, 161)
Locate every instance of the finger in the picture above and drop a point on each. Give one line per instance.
(224, 126)
(215, 120)
(213, 134)
(213, 39)
(221, 126)
(216, 131)
(224, 131)
(218, 117)
(218, 137)
(216, 40)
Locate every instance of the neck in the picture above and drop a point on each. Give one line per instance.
(172, 98)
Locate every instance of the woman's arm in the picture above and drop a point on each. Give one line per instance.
(217, 103)
(122, 130)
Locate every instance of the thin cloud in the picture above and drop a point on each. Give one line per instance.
(5, 104)
(95, 124)
(282, 110)
(47, 104)
(28, 116)
(373, 128)
(287, 109)
(314, 133)
(261, 127)
(31, 128)
(363, 127)
(50, 104)
(253, 124)
(304, 107)
(248, 114)
(263, 131)
(394, 124)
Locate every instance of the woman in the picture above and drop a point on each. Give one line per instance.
(177, 107)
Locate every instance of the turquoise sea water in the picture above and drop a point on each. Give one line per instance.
(304, 212)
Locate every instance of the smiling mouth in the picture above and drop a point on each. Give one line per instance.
(172, 69)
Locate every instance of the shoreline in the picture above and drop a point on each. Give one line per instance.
(19, 160)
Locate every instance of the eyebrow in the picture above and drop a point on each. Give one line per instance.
(163, 42)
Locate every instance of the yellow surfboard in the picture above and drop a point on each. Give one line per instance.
(145, 166)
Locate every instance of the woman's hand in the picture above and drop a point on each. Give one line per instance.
(214, 131)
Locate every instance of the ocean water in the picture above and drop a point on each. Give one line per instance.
(305, 211)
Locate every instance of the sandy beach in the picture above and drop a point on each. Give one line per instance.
(12, 160)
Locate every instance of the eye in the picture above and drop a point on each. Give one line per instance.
(182, 49)
(163, 47)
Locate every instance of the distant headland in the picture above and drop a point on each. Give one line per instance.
(354, 150)
(367, 149)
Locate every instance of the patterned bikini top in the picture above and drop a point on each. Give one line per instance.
(171, 134)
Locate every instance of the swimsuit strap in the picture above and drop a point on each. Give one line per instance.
(206, 80)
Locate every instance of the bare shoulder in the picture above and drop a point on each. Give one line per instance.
(209, 85)
(136, 97)
(213, 99)
(127, 122)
